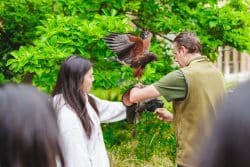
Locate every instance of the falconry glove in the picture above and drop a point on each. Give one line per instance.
(136, 109)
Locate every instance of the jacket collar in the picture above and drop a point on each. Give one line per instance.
(197, 58)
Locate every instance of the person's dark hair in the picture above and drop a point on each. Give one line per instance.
(69, 83)
(228, 145)
(29, 134)
(188, 40)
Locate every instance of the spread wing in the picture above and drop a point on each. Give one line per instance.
(126, 46)
(142, 54)
(132, 50)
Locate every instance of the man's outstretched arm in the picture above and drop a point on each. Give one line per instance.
(138, 94)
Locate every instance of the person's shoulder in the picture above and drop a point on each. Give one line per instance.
(176, 74)
(58, 102)
(68, 120)
(172, 78)
(66, 115)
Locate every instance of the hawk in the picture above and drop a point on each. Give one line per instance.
(132, 50)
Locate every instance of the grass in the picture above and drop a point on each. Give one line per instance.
(155, 161)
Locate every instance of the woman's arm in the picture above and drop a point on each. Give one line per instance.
(110, 111)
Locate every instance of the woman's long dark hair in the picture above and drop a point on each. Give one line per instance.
(69, 83)
(29, 134)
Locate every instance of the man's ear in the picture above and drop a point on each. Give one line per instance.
(183, 49)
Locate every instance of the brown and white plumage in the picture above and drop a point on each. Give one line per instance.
(132, 50)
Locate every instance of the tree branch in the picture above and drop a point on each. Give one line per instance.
(162, 35)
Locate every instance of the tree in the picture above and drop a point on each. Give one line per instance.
(58, 28)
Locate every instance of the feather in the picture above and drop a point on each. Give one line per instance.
(132, 50)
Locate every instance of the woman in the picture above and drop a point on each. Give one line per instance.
(80, 114)
(28, 128)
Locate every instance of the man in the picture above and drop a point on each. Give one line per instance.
(194, 90)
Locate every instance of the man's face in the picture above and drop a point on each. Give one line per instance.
(180, 55)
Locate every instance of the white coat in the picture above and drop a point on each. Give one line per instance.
(78, 149)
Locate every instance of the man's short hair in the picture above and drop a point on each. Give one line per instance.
(189, 40)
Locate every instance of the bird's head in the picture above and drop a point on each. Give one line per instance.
(145, 34)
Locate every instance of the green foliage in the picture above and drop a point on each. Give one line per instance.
(216, 26)
(18, 21)
(57, 40)
(40, 35)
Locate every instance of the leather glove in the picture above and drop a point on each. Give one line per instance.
(126, 95)
(134, 111)
(150, 105)
(131, 114)
(125, 98)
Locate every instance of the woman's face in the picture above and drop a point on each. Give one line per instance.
(88, 79)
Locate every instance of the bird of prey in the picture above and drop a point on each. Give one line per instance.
(132, 50)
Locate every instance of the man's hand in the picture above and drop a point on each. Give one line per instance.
(163, 114)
